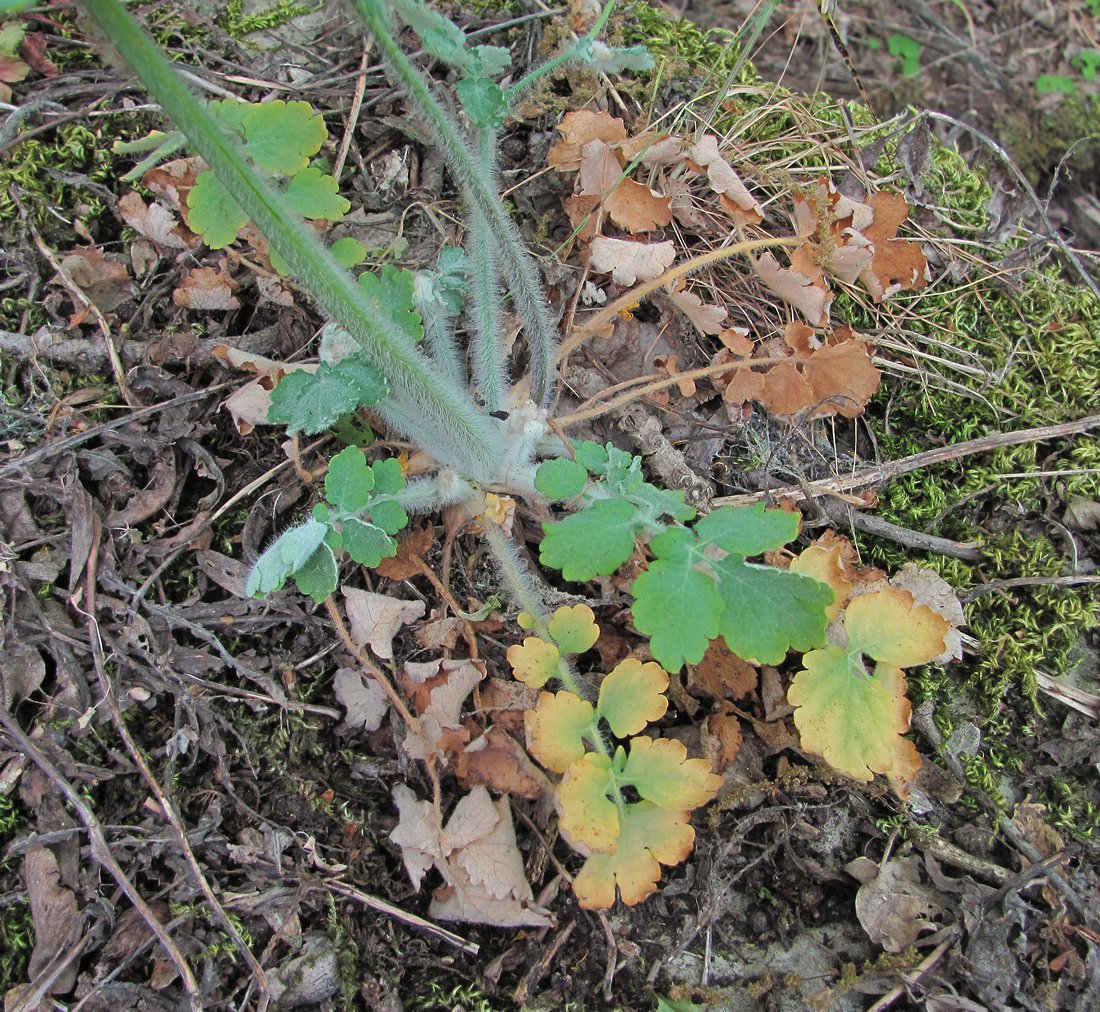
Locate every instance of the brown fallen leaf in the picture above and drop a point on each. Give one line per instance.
(893, 905)
(577, 129)
(438, 690)
(416, 541)
(722, 674)
(207, 288)
(737, 201)
(706, 318)
(628, 262)
(843, 379)
(174, 180)
(364, 699)
(104, 281)
(786, 390)
(811, 299)
(496, 760)
(155, 222)
(376, 618)
(898, 264)
(477, 855)
(720, 738)
(56, 916)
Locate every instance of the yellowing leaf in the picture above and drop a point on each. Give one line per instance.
(855, 722)
(574, 629)
(651, 836)
(534, 661)
(632, 695)
(892, 628)
(829, 560)
(662, 773)
(556, 728)
(589, 818)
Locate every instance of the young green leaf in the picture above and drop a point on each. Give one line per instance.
(598, 539)
(283, 136)
(213, 213)
(748, 530)
(560, 478)
(348, 252)
(391, 294)
(285, 557)
(349, 481)
(312, 402)
(483, 101)
(318, 576)
(313, 194)
(676, 602)
(557, 727)
(389, 515)
(631, 695)
(574, 628)
(367, 544)
(767, 611)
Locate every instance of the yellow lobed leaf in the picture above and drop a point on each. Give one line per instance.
(534, 661)
(632, 695)
(891, 627)
(662, 773)
(556, 729)
(650, 837)
(854, 721)
(588, 817)
(574, 629)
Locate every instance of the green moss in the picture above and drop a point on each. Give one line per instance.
(238, 24)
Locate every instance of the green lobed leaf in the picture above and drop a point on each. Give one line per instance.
(389, 478)
(367, 544)
(312, 402)
(598, 539)
(560, 478)
(283, 136)
(767, 611)
(230, 112)
(483, 101)
(389, 515)
(349, 481)
(591, 456)
(661, 772)
(284, 557)
(213, 213)
(573, 628)
(493, 60)
(391, 294)
(748, 530)
(314, 194)
(557, 728)
(675, 603)
(348, 252)
(318, 576)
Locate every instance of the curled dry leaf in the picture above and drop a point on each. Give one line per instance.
(707, 319)
(630, 204)
(894, 906)
(737, 201)
(798, 290)
(155, 222)
(629, 262)
(105, 282)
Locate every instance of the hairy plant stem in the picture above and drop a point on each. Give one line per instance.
(448, 424)
(488, 348)
(516, 264)
(521, 587)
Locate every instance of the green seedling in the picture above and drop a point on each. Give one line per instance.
(907, 50)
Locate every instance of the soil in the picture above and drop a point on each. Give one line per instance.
(174, 755)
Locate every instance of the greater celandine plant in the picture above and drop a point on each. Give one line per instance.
(392, 344)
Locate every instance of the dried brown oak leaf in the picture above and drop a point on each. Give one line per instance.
(477, 855)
